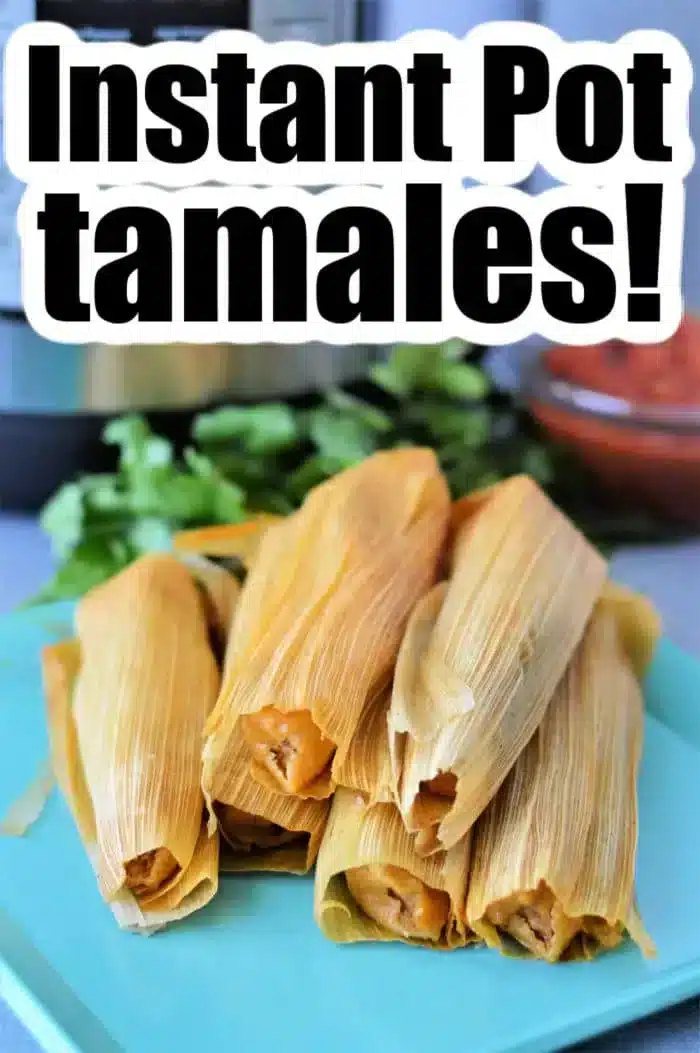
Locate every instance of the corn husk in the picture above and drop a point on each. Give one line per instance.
(465, 508)
(28, 807)
(554, 854)
(306, 817)
(482, 656)
(321, 617)
(359, 835)
(639, 624)
(367, 765)
(60, 668)
(220, 591)
(236, 541)
(147, 680)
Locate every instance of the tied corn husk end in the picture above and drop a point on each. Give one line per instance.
(321, 617)
(263, 830)
(482, 656)
(371, 842)
(554, 854)
(199, 883)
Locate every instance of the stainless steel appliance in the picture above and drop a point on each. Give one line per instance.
(53, 398)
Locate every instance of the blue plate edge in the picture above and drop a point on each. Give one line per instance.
(679, 985)
(23, 968)
(673, 988)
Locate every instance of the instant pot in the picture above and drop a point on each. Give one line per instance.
(54, 398)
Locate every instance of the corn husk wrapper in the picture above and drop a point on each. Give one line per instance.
(359, 834)
(220, 592)
(555, 852)
(638, 623)
(306, 817)
(146, 682)
(236, 541)
(465, 508)
(367, 765)
(482, 656)
(60, 668)
(324, 607)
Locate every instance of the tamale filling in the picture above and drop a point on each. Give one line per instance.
(537, 922)
(288, 745)
(149, 871)
(443, 785)
(247, 833)
(399, 902)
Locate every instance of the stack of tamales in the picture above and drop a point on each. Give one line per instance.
(436, 704)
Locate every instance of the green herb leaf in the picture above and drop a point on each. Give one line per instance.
(130, 434)
(459, 380)
(445, 423)
(538, 464)
(341, 437)
(227, 500)
(369, 416)
(90, 563)
(181, 499)
(63, 517)
(455, 349)
(267, 429)
(313, 471)
(410, 367)
(149, 535)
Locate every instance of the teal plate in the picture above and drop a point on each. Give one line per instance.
(251, 973)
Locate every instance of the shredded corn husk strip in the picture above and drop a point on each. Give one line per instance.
(324, 607)
(25, 811)
(60, 667)
(290, 813)
(483, 654)
(236, 540)
(359, 834)
(565, 820)
(367, 765)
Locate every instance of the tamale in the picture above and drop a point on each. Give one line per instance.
(371, 885)
(146, 681)
(60, 668)
(320, 620)
(264, 830)
(554, 853)
(482, 655)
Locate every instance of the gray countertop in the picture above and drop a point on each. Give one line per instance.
(669, 575)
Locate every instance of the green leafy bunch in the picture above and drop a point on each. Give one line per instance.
(266, 458)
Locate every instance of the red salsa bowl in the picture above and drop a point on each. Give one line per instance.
(631, 413)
